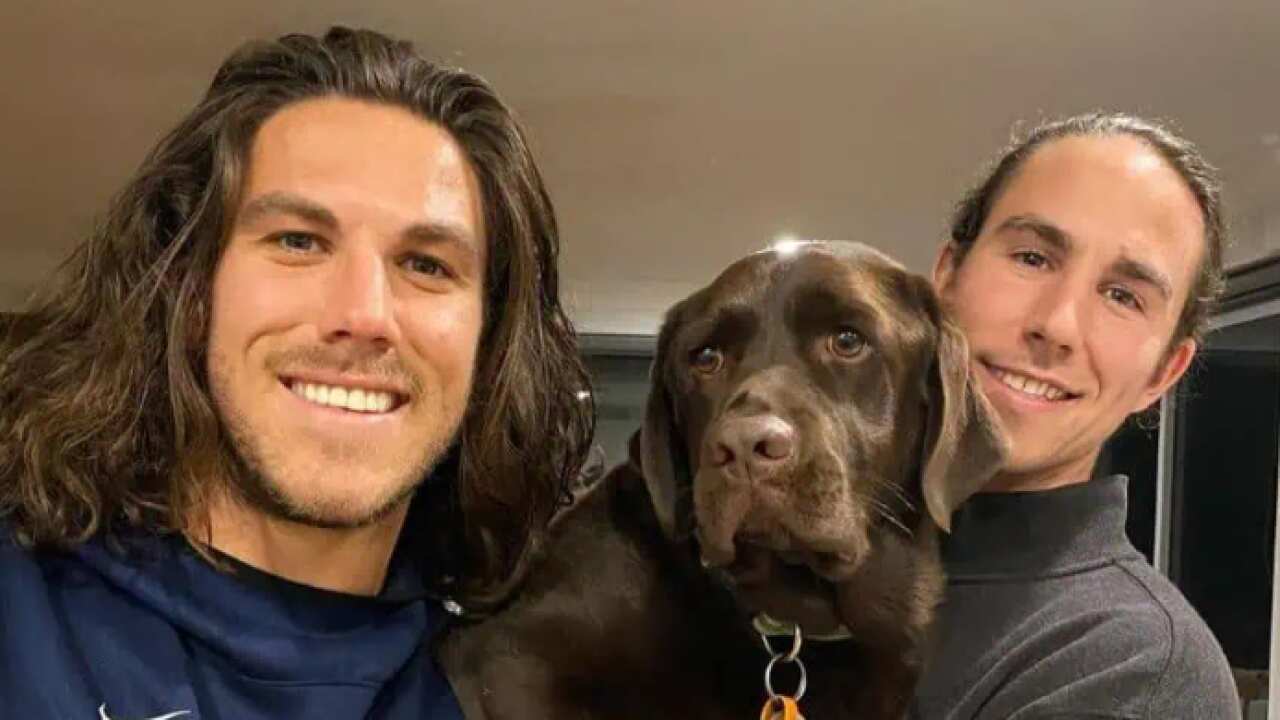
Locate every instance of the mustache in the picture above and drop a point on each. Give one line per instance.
(382, 366)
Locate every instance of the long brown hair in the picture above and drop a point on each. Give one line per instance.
(105, 414)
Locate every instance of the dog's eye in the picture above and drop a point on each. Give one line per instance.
(706, 360)
(847, 343)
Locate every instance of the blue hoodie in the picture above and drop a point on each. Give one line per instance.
(157, 632)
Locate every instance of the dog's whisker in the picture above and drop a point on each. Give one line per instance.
(907, 504)
(886, 513)
(898, 523)
(898, 494)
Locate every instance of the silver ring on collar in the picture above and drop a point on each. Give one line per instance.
(768, 676)
(797, 640)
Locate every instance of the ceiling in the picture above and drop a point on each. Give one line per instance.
(675, 135)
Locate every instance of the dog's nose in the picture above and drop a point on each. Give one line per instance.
(755, 446)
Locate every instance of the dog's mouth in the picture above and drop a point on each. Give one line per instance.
(832, 567)
(781, 548)
(785, 585)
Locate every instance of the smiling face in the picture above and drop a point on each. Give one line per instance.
(1070, 296)
(347, 309)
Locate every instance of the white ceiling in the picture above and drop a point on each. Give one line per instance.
(675, 134)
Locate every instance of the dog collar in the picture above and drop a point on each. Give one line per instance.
(770, 627)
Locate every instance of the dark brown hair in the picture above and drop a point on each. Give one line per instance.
(105, 412)
(1181, 155)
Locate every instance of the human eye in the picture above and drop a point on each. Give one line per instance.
(425, 266)
(1123, 296)
(296, 242)
(1031, 258)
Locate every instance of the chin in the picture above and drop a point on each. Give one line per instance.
(343, 512)
(330, 499)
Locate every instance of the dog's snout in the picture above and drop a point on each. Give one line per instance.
(749, 401)
(754, 446)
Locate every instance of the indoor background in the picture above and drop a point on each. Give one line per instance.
(676, 136)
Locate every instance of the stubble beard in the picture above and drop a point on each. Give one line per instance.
(251, 475)
(252, 481)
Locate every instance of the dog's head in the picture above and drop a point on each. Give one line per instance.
(803, 401)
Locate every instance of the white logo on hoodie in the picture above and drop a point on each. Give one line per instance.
(102, 714)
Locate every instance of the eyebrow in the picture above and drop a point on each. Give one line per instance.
(1057, 237)
(1126, 266)
(284, 203)
(1142, 272)
(448, 233)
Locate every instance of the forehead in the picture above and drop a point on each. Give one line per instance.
(1115, 194)
(364, 157)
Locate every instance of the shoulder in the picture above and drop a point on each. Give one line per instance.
(1117, 641)
(29, 576)
(37, 583)
(1135, 648)
(14, 558)
(1196, 673)
(31, 629)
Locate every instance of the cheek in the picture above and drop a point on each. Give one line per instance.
(982, 301)
(446, 336)
(1128, 363)
(248, 301)
(229, 313)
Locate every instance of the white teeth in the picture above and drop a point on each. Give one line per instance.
(354, 399)
(1030, 386)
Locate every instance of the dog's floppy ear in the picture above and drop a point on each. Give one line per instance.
(663, 457)
(964, 442)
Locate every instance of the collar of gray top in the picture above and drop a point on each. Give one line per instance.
(1043, 533)
(771, 627)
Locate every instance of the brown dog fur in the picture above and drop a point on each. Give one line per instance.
(641, 604)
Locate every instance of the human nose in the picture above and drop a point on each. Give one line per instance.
(358, 302)
(1053, 328)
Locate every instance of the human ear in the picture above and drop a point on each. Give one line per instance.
(944, 266)
(1174, 367)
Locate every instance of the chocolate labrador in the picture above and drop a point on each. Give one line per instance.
(810, 427)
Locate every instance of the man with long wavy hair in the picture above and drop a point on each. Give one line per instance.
(309, 381)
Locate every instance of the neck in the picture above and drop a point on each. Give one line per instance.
(346, 560)
(1073, 472)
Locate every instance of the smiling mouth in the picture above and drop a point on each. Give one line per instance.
(351, 399)
(1029, 386)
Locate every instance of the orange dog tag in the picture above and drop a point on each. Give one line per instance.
(781, 707)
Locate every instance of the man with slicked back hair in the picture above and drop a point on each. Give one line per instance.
(1082, 270)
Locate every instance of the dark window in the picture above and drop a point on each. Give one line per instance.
(1224, 487)
(619, 366)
